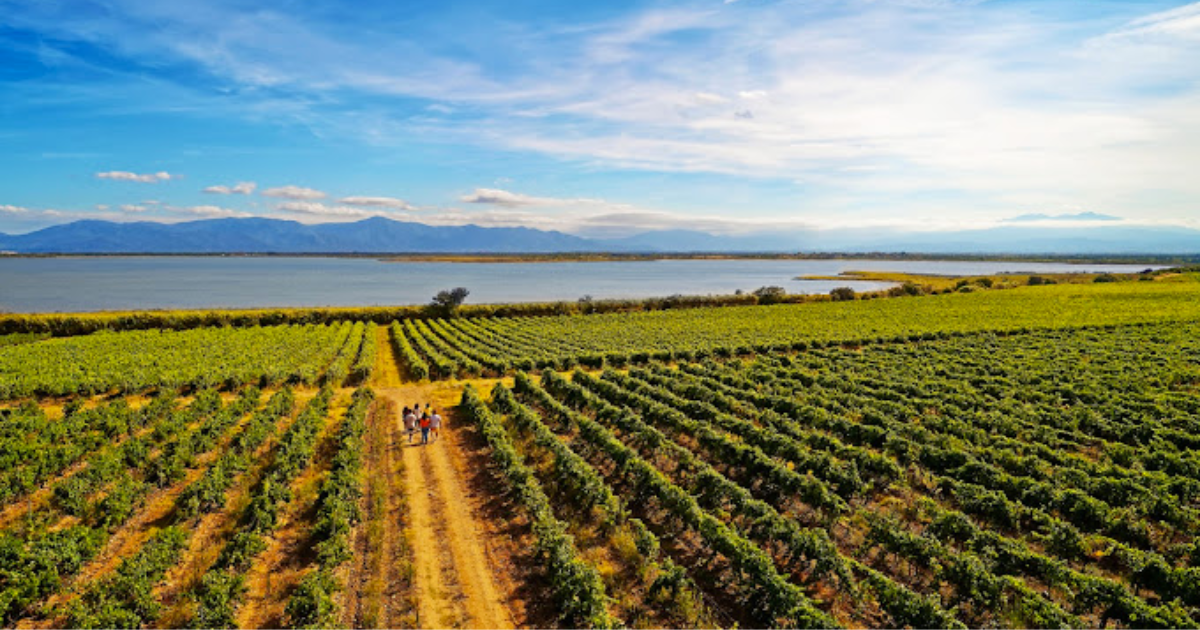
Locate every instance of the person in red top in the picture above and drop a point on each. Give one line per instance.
(425, 421)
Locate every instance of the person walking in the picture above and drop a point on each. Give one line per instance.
(435, 424)
(425, 420)
(410, 423)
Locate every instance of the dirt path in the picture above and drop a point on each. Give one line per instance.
(455, 581)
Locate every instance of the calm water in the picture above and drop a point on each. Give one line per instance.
(119, 283)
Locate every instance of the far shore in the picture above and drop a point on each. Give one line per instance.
(493, 257)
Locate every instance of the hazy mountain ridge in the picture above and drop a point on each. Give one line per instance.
(262, 236)
(381, 235)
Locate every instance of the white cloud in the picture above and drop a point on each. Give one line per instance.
(315, 211)
(240, 188)
(133, 208)
(495, 196)
(145, 178)
(507, 199)
(708, 97)
(590, 216)
(1077, 217)
(211, 212)
(294, 192)
(1181, 22)
(378, 202)
(11, 209)
(875, 106)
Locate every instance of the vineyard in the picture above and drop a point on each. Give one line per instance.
(1017, 458)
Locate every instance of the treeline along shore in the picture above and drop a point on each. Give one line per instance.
(906, 285)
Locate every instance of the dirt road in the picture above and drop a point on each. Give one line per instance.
(454, 578)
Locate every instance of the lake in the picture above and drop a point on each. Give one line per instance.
(67, 284)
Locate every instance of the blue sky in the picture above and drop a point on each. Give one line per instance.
(605, 118)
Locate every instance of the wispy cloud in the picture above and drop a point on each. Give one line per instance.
(1079, 216)
(594, 217)
(507, 199)
(1181, 22)
(378, 202)
(11, 209)
(144, 178)
(211, 212)
(497, 197)
(294, 192)
(315, 211)
(864, 110)
(240, 188)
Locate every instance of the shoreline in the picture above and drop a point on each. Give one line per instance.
(525, 258)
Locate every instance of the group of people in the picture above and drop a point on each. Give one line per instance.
(428, 421)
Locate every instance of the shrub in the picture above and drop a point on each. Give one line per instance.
(770, 295)
(909, 288)
(842, 294)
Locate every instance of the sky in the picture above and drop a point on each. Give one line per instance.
(603, 118)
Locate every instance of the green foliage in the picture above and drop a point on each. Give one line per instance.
(125, 599)
(578, 588)
(769, 595)
(417, 368)
(364, 363)
(218, 596)
(337, 503)
(616, 339)
(137, 360)
(312, 604)
(216, 599)
(33, 568)
(339, 370)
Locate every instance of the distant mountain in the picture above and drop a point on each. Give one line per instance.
(276, 236)
(381, 235)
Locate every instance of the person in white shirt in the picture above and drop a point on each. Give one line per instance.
(435, 425)
(410, 424)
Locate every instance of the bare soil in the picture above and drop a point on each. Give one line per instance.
(459, 575)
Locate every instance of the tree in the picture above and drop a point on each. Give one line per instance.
(446, 302)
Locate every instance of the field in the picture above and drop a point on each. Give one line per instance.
(1024, 457)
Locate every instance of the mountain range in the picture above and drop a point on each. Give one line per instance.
(382, 235)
